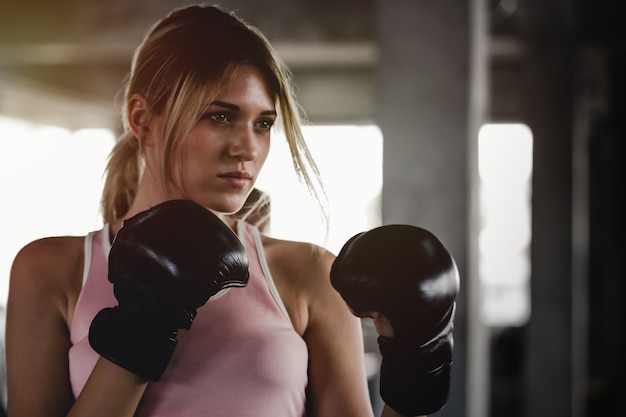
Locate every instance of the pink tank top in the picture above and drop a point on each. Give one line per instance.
(242, 356)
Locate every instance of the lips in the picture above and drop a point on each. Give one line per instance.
(237, 179)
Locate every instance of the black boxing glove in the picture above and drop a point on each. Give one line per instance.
(164, 263)
(405, 273)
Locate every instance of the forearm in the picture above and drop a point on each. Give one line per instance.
(110, 390)
(388, 412)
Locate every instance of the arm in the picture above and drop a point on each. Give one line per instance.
(137, 337)
(337, 381)
(45, 280)
(109, 391)
(335, 342)
(388, 412)
(37, 366)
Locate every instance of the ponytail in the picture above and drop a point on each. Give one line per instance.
(183, 62)
(121, 177)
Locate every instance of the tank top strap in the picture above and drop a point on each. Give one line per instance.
(251, 238)
(95, 293)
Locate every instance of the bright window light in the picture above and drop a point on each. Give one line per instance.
(505, 168)
(350, 162)
(50, 182)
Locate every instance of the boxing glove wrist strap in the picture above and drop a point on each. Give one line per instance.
(142, 350)
(415, 380)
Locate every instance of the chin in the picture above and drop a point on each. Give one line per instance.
(219, 202)
(224, 207)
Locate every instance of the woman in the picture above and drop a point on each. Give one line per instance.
(204, 91)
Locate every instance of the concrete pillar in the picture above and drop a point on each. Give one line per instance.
(429, 106)
(548, 88)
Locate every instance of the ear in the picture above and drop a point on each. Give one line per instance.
(139, 119)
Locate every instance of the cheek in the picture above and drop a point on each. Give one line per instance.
(200, 143)
(197, 159)
(202, 149)
(263, 153)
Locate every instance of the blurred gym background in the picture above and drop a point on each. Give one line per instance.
(496, 124)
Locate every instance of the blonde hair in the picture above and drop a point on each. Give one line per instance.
(181, 65)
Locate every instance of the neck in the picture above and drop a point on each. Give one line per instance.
(151, 192)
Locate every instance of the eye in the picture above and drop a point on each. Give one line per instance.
(218, 117)
(265, 124)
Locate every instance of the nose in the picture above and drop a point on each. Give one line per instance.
(244, 145)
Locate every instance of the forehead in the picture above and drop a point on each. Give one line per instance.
(247, 84)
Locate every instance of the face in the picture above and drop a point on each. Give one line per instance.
(229, 145)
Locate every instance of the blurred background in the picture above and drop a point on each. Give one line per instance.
(496, 124)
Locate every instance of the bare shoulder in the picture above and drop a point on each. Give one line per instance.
(301, 273)
(48, 269)
(293, 256)
(44, 257)
(45, 282)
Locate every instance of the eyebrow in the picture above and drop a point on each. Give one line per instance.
(234, 107)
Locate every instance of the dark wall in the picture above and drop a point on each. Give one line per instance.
(607, 279)
(569, 84)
